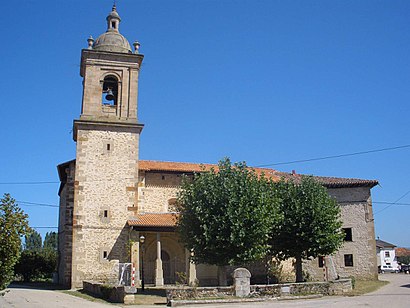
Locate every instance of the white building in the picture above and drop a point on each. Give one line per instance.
(386, 257)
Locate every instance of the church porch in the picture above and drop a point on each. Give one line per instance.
(156, 252)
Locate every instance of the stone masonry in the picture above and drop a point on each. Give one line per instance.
(105, 181)
(357, 214)
(105, 188)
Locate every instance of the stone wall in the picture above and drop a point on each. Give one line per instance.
(183, 293)
(156, 190)
(112, 293)
(356, 211)
(65, 226)
(105, 187)
(337, 287)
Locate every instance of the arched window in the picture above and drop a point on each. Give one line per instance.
(110, 91)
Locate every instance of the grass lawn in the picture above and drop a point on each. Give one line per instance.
(83, 295)
(140, 299)
(366, 286)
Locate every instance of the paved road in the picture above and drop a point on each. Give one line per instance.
(22, 297)
(394, 295)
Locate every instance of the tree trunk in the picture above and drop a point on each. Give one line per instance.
(222, 276)
(298, 268)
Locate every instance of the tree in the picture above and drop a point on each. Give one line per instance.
(311, 224)
(404, 259)
(226, 214)
(33, 241)
(37, 265)
(50, 241)
(13, 225)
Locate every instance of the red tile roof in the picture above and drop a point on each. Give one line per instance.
(154, 220)
(150, 165)
(402, 252)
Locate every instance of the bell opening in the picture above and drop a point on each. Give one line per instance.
(110, 91)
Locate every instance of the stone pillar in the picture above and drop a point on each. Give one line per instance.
(242, 282)
(135, 259)
(159, 273)
(190, 268)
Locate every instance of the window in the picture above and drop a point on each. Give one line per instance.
(104, 254)
(110, 91)
(387, 254)
(104, 215)
(321, 260)
(348, 260)
(108, 146)
(348, 234)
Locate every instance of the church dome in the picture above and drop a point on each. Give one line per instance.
(112, 40)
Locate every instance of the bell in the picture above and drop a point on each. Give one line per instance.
(110, 96)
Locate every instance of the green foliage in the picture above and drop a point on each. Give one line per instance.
(38, 262)
(13, 225)
(226, 214)
(33, 241)
(50, 241)
(182, 278)
(404, 259)
(37, 265)
(275, 270)
(353, 278)
(311, 224)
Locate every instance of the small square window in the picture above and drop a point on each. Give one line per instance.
(349, 260)
(108, 146)
(348, 234)
(387, 254)
(321, 261)
(105, 213)
(105, 254)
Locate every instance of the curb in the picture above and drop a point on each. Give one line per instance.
(176, 303)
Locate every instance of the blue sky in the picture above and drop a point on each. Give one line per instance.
(257, 80)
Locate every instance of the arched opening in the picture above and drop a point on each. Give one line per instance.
(110, 91)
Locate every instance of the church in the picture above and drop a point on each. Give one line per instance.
(115, 208)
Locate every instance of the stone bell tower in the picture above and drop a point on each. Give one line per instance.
(106, 168)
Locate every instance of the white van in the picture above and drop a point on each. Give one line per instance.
(389, 269)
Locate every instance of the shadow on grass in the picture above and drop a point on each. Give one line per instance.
(149, 291)
(149, 297)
